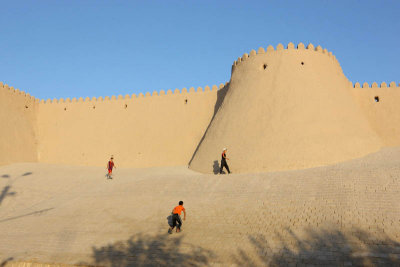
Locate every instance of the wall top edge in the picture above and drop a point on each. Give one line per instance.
(169, 92)
(375, 85)
(280, 47)
(114, 97)
(18, 92)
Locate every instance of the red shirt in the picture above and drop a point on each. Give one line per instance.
(110, 165)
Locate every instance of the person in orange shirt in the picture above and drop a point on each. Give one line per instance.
(176, 219)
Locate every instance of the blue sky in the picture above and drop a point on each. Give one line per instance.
(54, 49)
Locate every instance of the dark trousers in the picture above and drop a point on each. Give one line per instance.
(224, 164)
(176, 221)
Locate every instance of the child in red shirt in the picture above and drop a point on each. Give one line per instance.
(176, 219)
(110, 166)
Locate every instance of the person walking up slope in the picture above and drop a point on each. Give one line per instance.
(176, 219)
(110, 166)
(223, 162)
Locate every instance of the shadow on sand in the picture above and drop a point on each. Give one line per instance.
(36, 213)
(6, 190)
(4, 263)
(322, 248)
(6, 193)
(146, 250)
(216, 167)
(169, 219)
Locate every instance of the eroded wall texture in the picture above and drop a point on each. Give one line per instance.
(18, 112)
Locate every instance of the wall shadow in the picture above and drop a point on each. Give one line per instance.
(146, 250)
(5, 176)
(221, 93)
(323, 248)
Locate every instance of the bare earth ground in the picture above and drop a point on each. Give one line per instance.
(346, 214)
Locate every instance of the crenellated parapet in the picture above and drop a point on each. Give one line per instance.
(375, 85)
(161, 93)
(11, 90)
(177, 92)
(191, 90)
(280, 48)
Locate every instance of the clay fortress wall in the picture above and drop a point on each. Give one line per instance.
(183, 126)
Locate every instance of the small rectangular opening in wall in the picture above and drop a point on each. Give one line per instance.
(376, 98)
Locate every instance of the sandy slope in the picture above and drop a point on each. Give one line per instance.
(329, 215)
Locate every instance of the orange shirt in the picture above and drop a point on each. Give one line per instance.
(178, 209)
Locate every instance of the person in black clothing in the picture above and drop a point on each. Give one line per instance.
(223, 162)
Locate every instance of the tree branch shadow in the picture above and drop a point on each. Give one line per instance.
(146, 250)
(322, 248)
(4, 263)
(6, 190)
(5, 193)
